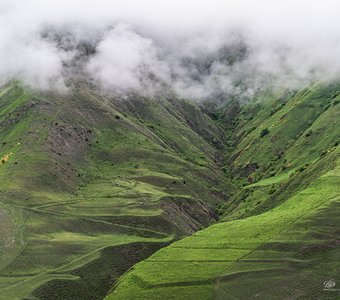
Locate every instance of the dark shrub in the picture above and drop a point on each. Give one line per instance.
(264, 132)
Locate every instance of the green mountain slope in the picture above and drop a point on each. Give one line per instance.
(279, 238)
(93, 185)
(90, 184)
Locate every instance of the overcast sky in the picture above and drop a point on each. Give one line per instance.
(195, 48)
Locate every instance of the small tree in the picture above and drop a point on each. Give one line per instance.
(264, 132)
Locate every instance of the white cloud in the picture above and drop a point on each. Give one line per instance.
(124, 60)
(192, 47)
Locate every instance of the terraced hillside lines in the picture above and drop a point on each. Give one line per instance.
(279, 234)
(95, 184)
(92, 185)
(282, 241)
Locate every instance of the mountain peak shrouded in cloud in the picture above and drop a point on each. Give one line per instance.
(196, 49)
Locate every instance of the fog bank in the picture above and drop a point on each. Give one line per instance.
(196, 49)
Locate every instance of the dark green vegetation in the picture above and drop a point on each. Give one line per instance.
(91, 184)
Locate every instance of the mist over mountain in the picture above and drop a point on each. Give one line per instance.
(202, 50)
(171, 149)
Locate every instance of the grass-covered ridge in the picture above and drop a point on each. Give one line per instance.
(279, 237)
(93, 184)
(238, 258)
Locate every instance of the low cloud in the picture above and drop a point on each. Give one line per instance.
(196, 49)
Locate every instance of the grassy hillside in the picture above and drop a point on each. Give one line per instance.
(279, 235)
(90, 184)
(94, 186)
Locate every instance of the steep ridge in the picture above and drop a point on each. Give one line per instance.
(279, 238)
(91, 183)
